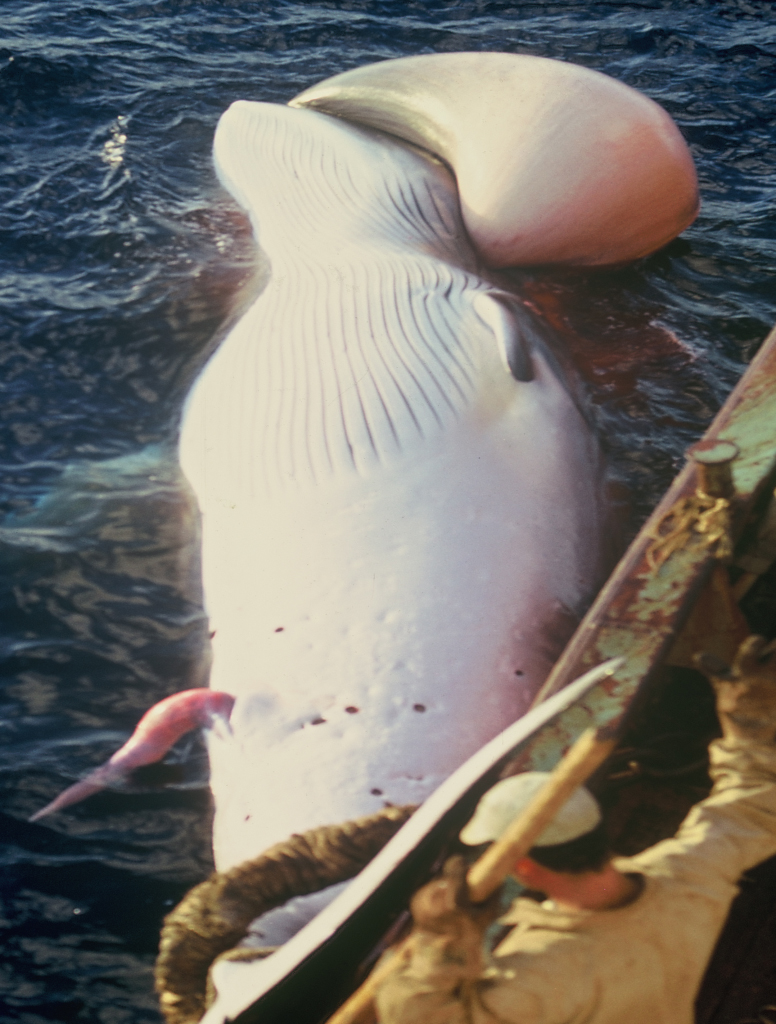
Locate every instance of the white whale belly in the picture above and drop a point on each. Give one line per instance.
(392, 523)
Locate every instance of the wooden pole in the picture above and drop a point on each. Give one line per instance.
(486, 874)
(581, 760)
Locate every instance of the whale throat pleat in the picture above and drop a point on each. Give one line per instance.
(364, 342)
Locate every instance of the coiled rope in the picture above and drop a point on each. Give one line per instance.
(699, 513)
(215, 915)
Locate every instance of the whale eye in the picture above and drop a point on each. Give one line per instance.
(498, 312)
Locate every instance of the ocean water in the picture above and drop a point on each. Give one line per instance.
(121, 261)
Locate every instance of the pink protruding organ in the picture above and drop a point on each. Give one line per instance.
(157, 731)
(401, 496)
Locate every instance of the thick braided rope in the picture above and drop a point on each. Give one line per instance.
(216, 914)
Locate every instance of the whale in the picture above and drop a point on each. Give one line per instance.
(400, 496)
(403, 502)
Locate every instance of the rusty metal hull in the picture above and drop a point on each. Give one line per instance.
(642, 608)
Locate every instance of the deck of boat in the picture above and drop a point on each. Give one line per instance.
(658, 773)
(646, 795)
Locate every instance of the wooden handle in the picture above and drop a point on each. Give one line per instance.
(487, 873)
(579, 763)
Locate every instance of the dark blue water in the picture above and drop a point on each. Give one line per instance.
(121, 259)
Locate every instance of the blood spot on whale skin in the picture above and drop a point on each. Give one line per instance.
(376, 792)
(419, 707)
(318, 721)
(519, 672)
(351, 710)
(280, 629)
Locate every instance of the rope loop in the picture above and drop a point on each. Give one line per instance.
(699, 513)
(215, 915)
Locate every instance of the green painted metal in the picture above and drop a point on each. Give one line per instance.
(642, 607)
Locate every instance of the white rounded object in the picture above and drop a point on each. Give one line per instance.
(555, 163)
(505, 801)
